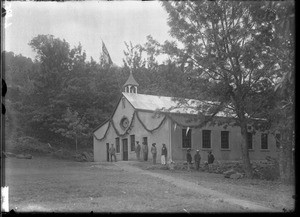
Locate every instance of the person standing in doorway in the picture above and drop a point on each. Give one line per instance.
(112, 152)
(164, 153)
(197, 159)
(138, 150)
(189, 159)
(145, 151)
(154, 152)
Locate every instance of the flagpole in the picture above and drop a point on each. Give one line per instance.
(170, 138)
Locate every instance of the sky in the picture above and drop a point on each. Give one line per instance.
(86, 22)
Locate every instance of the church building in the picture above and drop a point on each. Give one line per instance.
(164, 120)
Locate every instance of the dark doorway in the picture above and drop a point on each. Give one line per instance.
(145, 139)
(107, 151)
(125, 149)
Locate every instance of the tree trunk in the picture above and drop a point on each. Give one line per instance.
(245, 151)
(240, 110)
(286, 155)
(76, 142)
(282, 162)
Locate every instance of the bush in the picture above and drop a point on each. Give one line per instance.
(63, 154)
(27, 145)
(266, 170)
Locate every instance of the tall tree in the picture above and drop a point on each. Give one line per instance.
(281, 17)
(53, 54)
(225, 45)
(20, 72)
(60, 97)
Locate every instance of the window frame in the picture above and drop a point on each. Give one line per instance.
(264, 141)
(249, 141)
(227, 140)
(204, 139)
(186, 139)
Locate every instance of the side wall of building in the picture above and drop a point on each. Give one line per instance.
(232, 153)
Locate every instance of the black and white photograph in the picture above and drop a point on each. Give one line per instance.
(148, 106)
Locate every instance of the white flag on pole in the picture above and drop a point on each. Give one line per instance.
(187, 130)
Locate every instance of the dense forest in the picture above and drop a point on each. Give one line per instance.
(235, 53)
(60, 97)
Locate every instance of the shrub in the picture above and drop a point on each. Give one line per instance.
(27, 145)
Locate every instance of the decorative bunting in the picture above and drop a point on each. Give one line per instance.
(104, 133)
(135, 114)
(128, 129)
(151, 131)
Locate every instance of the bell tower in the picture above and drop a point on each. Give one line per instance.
(131, 84)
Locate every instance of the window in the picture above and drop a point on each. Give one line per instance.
(186, 138)
(118, 145)
(124, 123)
(224, 139)
(249, 141)
(206, 139)
(132, 89)
(278, 138)
(132, 142)
(264, 141)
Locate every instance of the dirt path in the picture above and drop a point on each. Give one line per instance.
(214, 196)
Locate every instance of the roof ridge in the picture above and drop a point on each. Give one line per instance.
(207, 101)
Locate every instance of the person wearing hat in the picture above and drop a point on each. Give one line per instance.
(189, 159)
(138, 150)
(197, 159)
(154, 152)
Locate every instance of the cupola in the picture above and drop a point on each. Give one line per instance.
(131, 84)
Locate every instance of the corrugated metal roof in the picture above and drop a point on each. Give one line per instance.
(170, 105)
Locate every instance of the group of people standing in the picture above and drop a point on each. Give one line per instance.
(197, 159)
(164, 154)
(144, 150)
